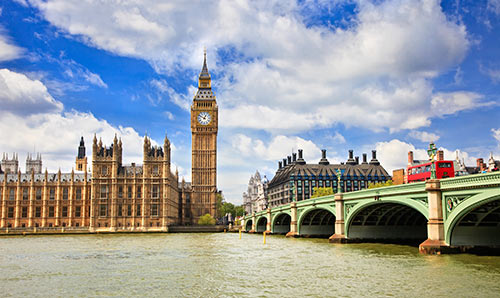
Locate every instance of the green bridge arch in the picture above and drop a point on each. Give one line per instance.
(464, 208)
(403, 205)
(323, 228)
(281, 228)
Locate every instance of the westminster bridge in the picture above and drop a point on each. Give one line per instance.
(446, 215)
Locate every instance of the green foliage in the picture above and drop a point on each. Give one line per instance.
(322, 191)
(206, 220)
(225, 207)
(239, 210)
(380, 184)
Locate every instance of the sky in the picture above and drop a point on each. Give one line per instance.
(365, 75)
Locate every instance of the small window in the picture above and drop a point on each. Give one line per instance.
(64, 211)
(24, 212)
(52, 194)
(139, 194)
(38, 193)
(120, 192)
(138, 209)
(102, 210)
(38, 212)
(12, 195)
(25, 193)
(104, 170)
(65, 193)
(129, 210)
(155, 191)
(120, 207)
(10, 213)
(104, 191)
(129, 192)
(78, 193)
(155, 170)
(78, 211)
(51, 211)
(154, 210)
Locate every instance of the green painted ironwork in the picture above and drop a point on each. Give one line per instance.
(460, 195)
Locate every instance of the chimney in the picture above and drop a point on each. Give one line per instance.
(301, 160)
(364, 158)
(284, 162)
(357, 160)
(294, 157)
(323, 160)
(374, 160)
(289, 159)
(479, 162)
(410, 158)
(350, 160)
(440, 155)
(279, 165)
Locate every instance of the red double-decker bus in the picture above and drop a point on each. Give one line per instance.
(422, 172)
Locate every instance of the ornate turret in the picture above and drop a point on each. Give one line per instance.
(34, 164)
(81, 159)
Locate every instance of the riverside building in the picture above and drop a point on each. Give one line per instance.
(111, 196)
(294, 173)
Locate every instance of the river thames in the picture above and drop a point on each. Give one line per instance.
(222, 265)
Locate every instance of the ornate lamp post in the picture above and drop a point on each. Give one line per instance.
(432, 154)
(338, 175)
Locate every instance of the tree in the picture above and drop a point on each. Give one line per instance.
(218, 205)
(322, 191)
(239, 210)
(380, 184)
(206, 220)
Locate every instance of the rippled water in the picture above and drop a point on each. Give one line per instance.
(220, 265)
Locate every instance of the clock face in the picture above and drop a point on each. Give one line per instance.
(204, 118)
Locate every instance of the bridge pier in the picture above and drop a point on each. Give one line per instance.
(435, 243)
(254, 224)
(293, 223)
(339, 236)
(268, 224)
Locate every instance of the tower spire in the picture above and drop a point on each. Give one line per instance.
(204, 80)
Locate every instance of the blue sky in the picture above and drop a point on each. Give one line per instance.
(336, 75)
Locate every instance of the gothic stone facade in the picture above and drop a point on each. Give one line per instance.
(113, 196)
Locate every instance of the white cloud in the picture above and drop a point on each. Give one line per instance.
(394, 154)
(494, 6)
(94, 79)
(493, 73)
(23, 96)
(338, 138)
(8, 50)
(496, 134)
(452, 102)
(181, 100)
(169, 115)
(39, 123)
(424, 136)
(277, 148)
(376, 73)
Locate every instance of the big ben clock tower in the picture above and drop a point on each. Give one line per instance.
(204, 124)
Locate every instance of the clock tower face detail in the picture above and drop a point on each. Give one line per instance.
(204, 125)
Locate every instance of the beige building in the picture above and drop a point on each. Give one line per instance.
(113, 196)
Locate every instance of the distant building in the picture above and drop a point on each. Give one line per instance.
(296, 174)
(255, 198)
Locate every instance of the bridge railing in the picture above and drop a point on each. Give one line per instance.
(386, 191)
(477, 180)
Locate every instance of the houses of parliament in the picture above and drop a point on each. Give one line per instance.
(113, 196)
